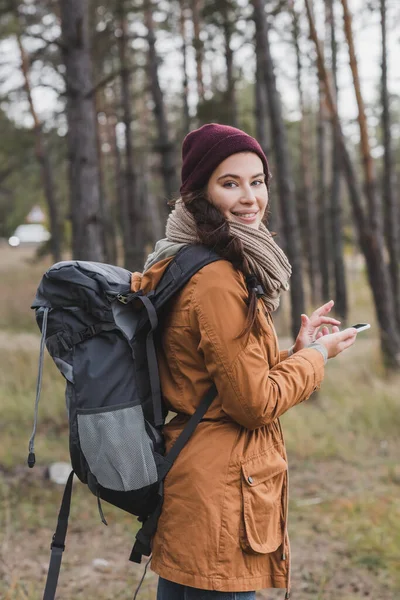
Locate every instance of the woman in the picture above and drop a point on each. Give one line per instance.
(223, 529)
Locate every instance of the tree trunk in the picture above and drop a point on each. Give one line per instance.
(284, 173)
(324, 241)
(308, 209)
(261, 108)
(263, 134)
(369, 240)
(132, 224)
(186, 114)
(87, 234)
(339, 271)
(164, 144)
(231, 104)
(44, 162)
(371, 191)
(109, 241)
(390, 205)
(118, 177)
(196, 6)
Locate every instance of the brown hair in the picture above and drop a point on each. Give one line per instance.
(214, 232)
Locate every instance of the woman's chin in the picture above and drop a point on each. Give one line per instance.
(253, 223)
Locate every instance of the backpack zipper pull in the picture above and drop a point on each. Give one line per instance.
(31, 456)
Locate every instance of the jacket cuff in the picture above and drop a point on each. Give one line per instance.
(320, 348)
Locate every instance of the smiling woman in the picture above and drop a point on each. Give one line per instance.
(238, 189)
(222, 532)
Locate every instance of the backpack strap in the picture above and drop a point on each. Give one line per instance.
(183, 266)
(145, 534)
(58, 542)
(154, 377)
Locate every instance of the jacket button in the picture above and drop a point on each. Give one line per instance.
(250, 479)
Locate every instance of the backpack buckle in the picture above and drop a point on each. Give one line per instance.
(54, 545)
(122, 299)
(87, 333)
(128, 298)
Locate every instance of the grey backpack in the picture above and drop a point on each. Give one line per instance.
(102, 337)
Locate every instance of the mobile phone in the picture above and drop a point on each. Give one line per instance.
(361, 326)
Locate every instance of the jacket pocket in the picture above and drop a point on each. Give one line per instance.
(263, 483)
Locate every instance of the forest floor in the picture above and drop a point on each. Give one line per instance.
(343, 448)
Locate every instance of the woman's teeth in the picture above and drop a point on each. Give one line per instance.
(245, 215)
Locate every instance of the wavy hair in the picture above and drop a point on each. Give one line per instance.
(213, 231)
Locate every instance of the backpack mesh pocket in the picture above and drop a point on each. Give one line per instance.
(117, 448)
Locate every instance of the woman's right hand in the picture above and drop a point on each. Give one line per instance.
(338, 341)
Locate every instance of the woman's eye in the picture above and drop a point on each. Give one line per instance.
(258, 182)
(230, 184)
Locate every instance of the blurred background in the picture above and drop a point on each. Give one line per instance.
(95, 100)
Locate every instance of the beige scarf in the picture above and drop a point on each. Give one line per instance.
(265, 259)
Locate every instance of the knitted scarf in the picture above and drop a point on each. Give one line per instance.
(265, 259)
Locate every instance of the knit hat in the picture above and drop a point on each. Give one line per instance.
(205, 148)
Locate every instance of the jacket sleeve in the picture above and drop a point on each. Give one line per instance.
(283, 355)
(252, 392)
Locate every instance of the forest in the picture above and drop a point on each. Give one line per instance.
(95, 100)
(97, 97)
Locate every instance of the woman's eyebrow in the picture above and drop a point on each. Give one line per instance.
(238, 176)
(228, 175)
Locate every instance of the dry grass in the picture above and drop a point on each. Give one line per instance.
(20, 275)
(345, 479)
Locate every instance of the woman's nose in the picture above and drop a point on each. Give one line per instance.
(248, 194)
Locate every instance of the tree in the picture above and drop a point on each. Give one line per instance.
(87, 219)
(308, 216)
(44, 161)
(369, 238)
(284, 176)
(164, 144)
(391, 208)
(222, 18)
(132, 222)
(196, 6)
(185, 95)
(339, 271)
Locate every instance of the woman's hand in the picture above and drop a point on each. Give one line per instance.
(310, 327)
(338, 341)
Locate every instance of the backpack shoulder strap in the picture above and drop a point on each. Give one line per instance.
(184, 265)
(58, 543)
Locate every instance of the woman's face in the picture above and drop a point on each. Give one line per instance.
(237, 188)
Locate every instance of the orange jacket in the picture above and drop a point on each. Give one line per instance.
(223, 524)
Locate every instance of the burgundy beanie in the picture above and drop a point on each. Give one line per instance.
(205, 148)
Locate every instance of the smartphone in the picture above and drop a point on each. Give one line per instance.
(361, 326)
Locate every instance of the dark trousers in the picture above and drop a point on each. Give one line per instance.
(167, 590)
